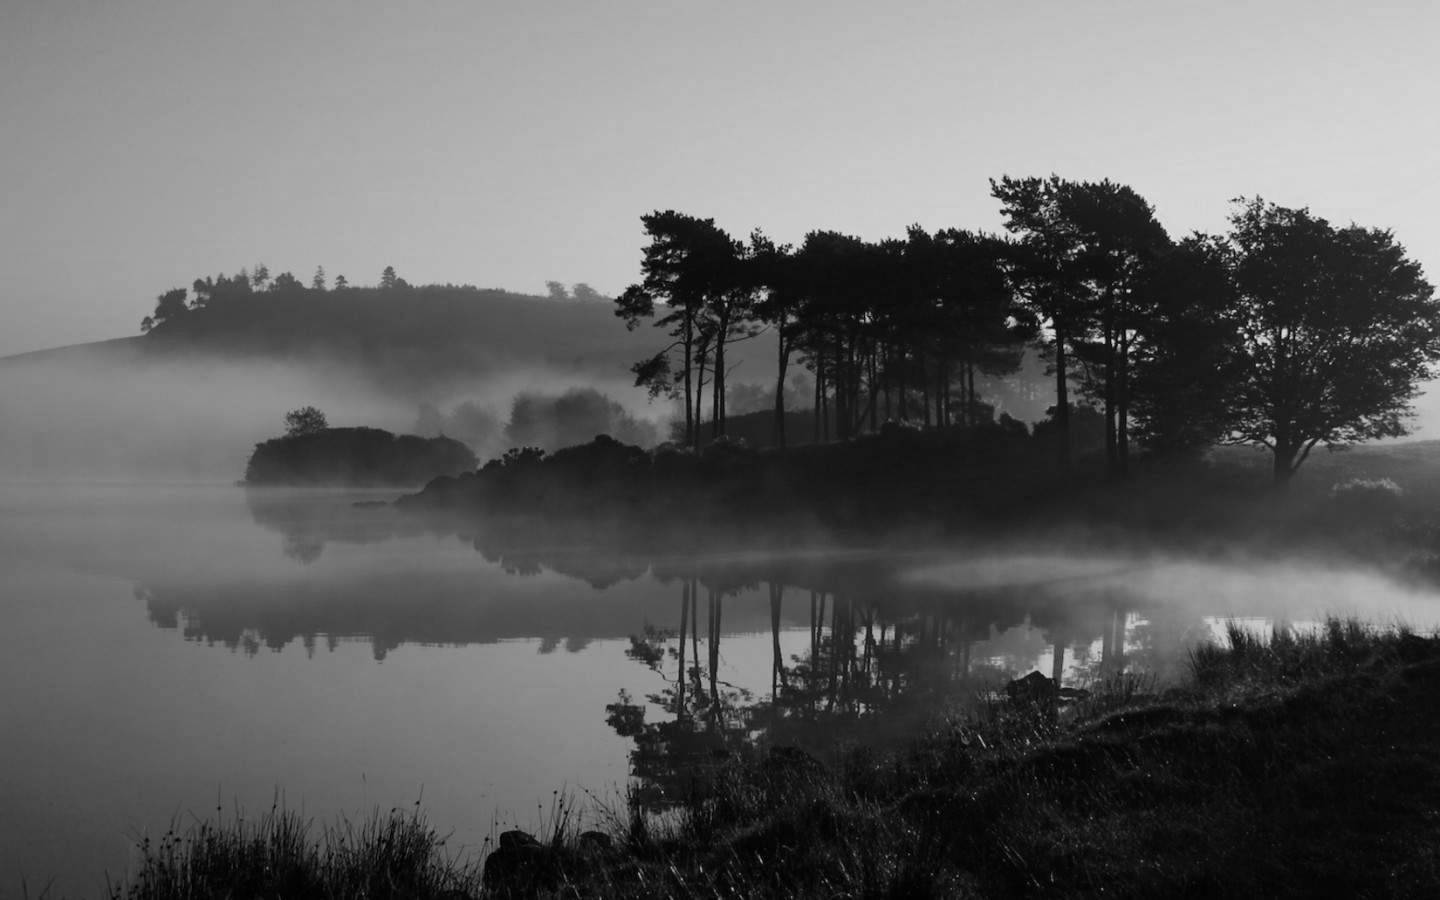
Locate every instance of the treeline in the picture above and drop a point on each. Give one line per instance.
(205, 293)
(1285, 332)
(222, 288)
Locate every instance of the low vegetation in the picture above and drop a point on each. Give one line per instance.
(355, 457)
(1293, 764)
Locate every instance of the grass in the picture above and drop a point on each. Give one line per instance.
(282, 854)
(1298, 763)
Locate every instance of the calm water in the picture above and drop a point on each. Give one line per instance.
(177, 647)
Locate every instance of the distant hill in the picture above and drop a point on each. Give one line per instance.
(215, 374)
(406, 340)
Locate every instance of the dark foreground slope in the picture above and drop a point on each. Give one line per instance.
(1302, 766)
(355, 457)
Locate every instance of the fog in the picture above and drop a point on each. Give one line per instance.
(89, 416)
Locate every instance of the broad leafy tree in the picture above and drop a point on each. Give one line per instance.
(305, 420)
(168, 307)
(1337, 327)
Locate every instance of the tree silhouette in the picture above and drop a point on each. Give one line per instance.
(341, 283)
(318, 281)
(168, 307)
(687, 263)
(1116, 238)
(388, 279)
(556, 290)
(584, 292)
(1045, 268)
(1336, 326)
(285, 283)
(1185, 365)
(260, 276)
(305, 420)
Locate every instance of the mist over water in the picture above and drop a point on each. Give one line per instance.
(117, 417)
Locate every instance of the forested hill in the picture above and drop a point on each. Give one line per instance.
(407, 336)
(218, 364)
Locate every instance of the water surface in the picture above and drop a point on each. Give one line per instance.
(178, 647)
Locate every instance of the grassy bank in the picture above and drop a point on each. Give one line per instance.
(1288, 765)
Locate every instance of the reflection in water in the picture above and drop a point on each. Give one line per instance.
(877, 666)
(863, 646)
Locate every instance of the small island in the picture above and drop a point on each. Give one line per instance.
(312, 454)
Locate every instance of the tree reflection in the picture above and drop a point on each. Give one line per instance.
(879, 666)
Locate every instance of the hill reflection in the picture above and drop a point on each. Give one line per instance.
(534, 588)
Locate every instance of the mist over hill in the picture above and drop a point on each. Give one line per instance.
(191, 397)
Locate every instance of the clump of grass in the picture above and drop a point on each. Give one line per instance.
(283, 854)
(1289, 655)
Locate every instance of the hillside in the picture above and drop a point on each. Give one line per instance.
(405, 338)
(194, 394)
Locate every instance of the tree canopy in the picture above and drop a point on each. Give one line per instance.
(305, 420)
(1336, 328)
(1287, 332)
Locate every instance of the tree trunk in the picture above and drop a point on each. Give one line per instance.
(717, 394)
(1122, 424)
(1112, 465)
(1062, 400)
(689, 349)
(777, 669)
(973, 413)
(778, 437)
(684, 621)
(924, 390)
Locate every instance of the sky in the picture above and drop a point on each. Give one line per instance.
(507, 144)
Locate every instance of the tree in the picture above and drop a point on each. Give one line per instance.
(1336, 329)
(168, 307)
(687, 263)
(260, 276)
(305, 420)
(1044, 267)
(1184, 368)
(584, 292)
(284, 283)
(1117, 239)
(556, 290)
(772, 270)
(1083, 247)
(388, 279)
(341, 283)
(318, 281)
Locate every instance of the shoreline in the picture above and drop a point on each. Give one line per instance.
(1282, 766)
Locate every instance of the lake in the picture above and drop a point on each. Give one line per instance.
(178, 648)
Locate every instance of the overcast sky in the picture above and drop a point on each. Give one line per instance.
(146, 143)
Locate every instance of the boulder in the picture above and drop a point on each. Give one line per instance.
(521, 864)
(1033, 688)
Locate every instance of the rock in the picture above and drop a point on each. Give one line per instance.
(517, 839)
(1033, 688)
(595, 842)
(520, 864)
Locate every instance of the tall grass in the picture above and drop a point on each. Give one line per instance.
(1289, 655)
(1296, 761)
(283, 854)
